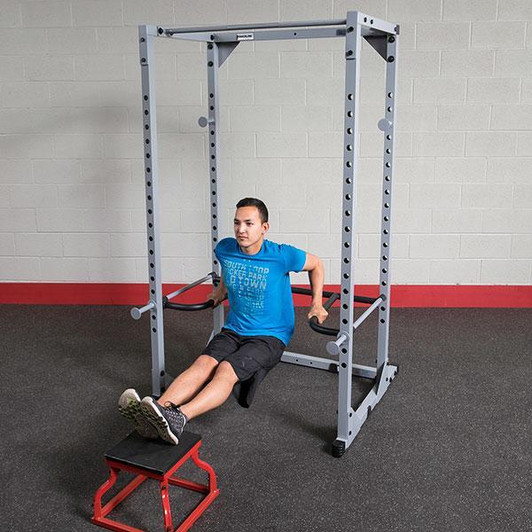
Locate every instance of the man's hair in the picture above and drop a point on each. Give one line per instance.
(254, 202)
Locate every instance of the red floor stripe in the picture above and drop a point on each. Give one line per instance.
(451, 296)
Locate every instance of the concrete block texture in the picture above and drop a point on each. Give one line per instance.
(485, 246)
(513, 63)
(12, 69)
(505, 272)
(460, 170)
(493, 90)
(491, 143)
(511, 117)
(21, 269)
(46, 14)
(86, 245)
(434, 246)
(10, 14)
(522, 246)
(115, 269)
(39, 244)
(487, 196)
(439, 91)
(49, 67)
(515, 10)
(510, 221)
(524, 143)
(495, 35)
(72, 158)
(509, 170)
(98, 13)
(464, 117)
(23, 95)
(465, 62)
(7, 244)
(470, 10)
(15, 171)
(410, 271)
(415, 10)
(463, 271)
(442, 36)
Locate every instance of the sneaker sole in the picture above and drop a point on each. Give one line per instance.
(130, 409)
(158, 421)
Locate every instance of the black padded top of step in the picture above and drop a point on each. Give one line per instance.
(156, 456)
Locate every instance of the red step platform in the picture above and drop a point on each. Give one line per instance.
(160, 461)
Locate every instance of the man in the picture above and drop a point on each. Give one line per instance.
(260, 323)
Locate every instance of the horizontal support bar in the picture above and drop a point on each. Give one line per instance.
(310, 361)
(367, 312)
(279, 35)
(191, 285)
(188, 484)
(248, 28)
(263, 35)
(366, 372)
(200, 36)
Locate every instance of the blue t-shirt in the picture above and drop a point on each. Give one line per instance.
(258, 288)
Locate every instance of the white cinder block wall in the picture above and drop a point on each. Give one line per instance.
(71, 170)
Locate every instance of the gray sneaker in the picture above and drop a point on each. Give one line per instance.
(168, 419)
(129, 407)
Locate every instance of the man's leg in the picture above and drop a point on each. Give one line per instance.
(214, 394)
(169, 420)
(186, 386)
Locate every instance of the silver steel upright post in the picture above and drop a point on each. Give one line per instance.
(345, 368)
(146, 36)
(386, 216)
(213, 63)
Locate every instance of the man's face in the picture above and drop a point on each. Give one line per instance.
(249, 230)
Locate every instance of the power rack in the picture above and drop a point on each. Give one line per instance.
(221, 41)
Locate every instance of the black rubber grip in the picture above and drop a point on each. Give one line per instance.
(188, 306)
(333, 296)
(193, 306)
(308, 291)
(313, 322)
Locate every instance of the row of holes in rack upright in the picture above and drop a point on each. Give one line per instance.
(348, 181)
(148, 184)
(213, 168)
(386, 219)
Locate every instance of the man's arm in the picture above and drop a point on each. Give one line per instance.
(219, 293)
(314, 267)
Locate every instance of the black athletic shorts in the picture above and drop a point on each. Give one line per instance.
(251, 357)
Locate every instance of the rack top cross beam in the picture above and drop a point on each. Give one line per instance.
(370, 26)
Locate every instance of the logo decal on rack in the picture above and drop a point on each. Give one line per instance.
(245, 36)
